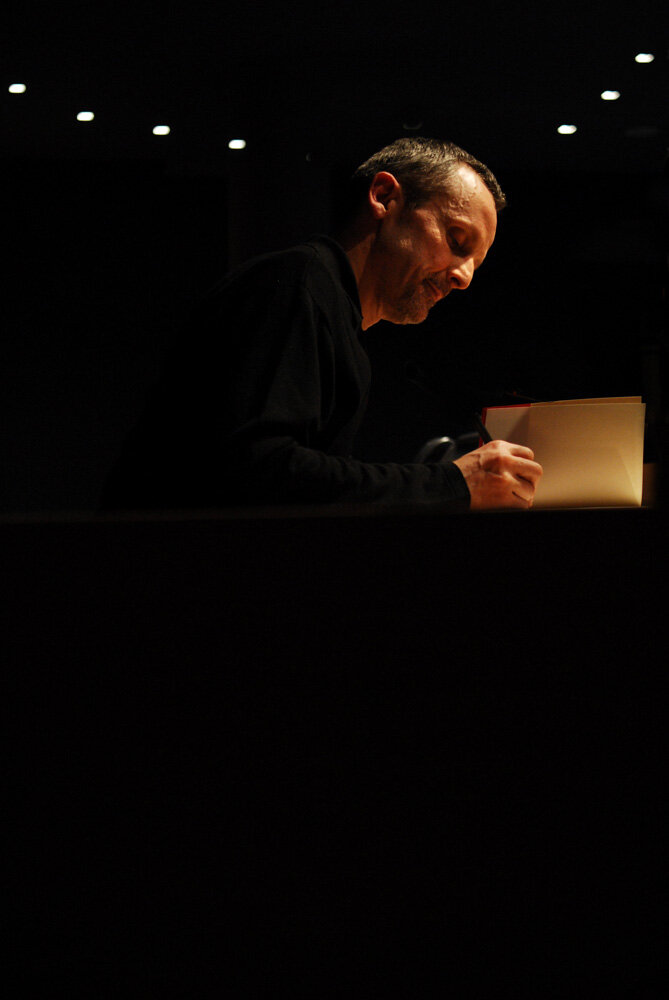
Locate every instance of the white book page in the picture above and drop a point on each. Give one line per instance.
(508, 423)
(591, 453)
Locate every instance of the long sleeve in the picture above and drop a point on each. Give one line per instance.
(264, 395)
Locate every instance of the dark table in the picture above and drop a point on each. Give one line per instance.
(247, 747)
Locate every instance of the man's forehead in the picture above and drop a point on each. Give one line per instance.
(466, 191)
(469, 202)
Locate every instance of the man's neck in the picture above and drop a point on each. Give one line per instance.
(357, 248)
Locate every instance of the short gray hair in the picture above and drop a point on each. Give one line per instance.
(423, 167)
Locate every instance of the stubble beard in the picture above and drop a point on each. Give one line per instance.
(412, 306)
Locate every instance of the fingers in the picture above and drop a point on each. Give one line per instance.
(500, 474)
(499, 447)
(518, 449)
(524, 486)
(522, 501)
(502, 457)
(524, 491)
(526, 469)
(515, 465)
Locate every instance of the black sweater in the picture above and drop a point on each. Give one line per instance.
(262, 397)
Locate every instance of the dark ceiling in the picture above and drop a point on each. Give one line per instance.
(338, 80)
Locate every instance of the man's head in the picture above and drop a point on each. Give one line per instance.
(423, 167)
(425, 218)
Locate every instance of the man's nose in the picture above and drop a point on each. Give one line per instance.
(462, 274)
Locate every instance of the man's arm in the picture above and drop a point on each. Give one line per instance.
(272, 469)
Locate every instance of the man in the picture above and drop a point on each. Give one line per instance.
(267, 388)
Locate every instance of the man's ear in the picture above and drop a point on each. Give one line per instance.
(384, 191)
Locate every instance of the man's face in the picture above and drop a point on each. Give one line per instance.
(422, 254)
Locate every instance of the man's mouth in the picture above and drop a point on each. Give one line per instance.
(436, 291)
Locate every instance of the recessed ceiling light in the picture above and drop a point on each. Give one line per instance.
(610, 95)
(161, 130)
(566, 129)
(17, 88)
(85, 116)
(237, 144)
(644, 57)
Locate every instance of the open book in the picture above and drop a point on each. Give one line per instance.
(591, 450)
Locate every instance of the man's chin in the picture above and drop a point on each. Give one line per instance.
(411, 315)
(414, 318)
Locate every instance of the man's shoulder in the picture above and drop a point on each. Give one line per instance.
(318, 265)
(314, 254)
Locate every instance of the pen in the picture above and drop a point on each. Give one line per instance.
(482, 429)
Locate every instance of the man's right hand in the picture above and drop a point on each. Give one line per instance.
(500, 474)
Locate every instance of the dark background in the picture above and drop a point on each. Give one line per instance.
(245, 747)
(111, 232)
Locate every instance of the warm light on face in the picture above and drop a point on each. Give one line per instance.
(161, 130)
(566, 129)
(610, 95)
(237, 144)
(85, 116)
(17, 88)
(644, 57)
